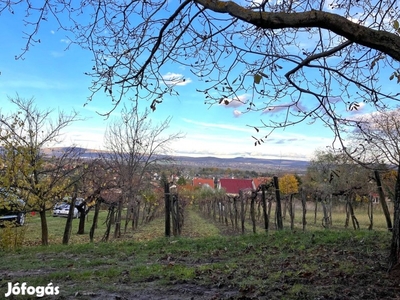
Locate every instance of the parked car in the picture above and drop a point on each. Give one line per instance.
(62, 209)
(12, 209)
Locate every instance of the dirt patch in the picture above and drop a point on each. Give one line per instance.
(184, 291)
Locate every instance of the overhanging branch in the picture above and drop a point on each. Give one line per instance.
(383, 41)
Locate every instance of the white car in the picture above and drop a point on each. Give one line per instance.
(62, 210)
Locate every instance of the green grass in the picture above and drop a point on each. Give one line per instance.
(283, 264)
(276, 265)
(195, 226)
(338, 217)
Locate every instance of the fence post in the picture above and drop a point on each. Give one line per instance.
(278, 204)
(264, 203)
(167, 210)
(242, 216)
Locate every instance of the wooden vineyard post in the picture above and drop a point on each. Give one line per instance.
(304, 207)
(291, 212)
(235, 211)
(252, 210)
(167, 210)
(242, 212)
(278, 204)
(175, 211)
(264, 204)
(370, 213)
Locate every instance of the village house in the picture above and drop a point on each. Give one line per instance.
(232, 186)
(203, 182)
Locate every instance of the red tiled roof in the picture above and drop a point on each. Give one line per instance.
(203, 181)
(258, 181)
(233, 186)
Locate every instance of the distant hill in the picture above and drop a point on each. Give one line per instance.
(242, 163)
(245, 163)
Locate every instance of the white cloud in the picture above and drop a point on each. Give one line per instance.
(232, 128)
(65, 41)
(235, 102)
(174, 79)
(91, 138)
(237, 113)
(290, 146)
(226, 140)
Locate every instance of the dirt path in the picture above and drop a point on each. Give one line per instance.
(195, 226)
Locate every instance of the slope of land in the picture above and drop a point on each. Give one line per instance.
(202, 264)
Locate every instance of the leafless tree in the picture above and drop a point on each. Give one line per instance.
(334, 173)
(376, 144)
(135, 144)
(38, 176)
(375, 140)
(98, 182)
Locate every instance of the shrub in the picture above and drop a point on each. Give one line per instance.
(11, 236)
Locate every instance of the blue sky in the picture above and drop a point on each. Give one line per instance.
(55, 77)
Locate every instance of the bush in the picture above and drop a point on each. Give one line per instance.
(11, 236)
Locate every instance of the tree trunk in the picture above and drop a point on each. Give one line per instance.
(68, 224)
(82, 216)
(315, 209)
(330, 211)
(354, 220)
(394, 258)
(137, 213)
(325, 219)
(382, 200)
(109, 222)
(118, 219)
(146, 212)
(95, 219)
(304, 206)
(45, 229)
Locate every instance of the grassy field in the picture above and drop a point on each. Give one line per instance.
(207, 263)
(155, 229)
